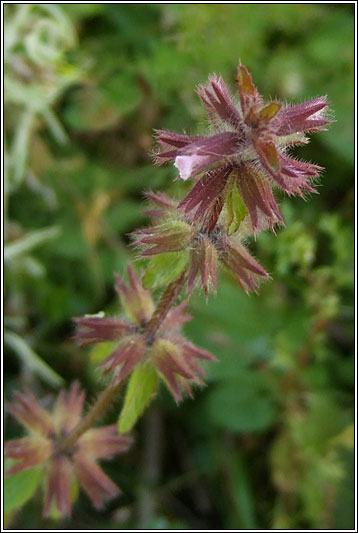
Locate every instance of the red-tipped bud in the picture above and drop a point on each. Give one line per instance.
(176, 318)
(136, 300)
(92, 329)
(163, 205)
(58, 490)
(249, 95)
(308, 116)
(29, 413)
(124, 358)
(203, 262)
(29, 451)
(246, 269)
(218, 102)
(175, 367)
(169, 236)
(97, 485)
(258, 197)
(104, 442)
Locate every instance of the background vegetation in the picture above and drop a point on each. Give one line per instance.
(269, 442)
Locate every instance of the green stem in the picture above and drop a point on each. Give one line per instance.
(164, 305)
(106, 398)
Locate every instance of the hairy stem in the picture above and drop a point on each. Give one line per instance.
(107, 396)
(165, 303)
(104, 400)
(151, 467)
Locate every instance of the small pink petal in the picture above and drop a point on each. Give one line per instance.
(184, 164)
(29, 412)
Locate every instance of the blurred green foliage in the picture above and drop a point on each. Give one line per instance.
(269, 442)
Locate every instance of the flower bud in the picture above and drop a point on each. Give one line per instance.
(136, 300)
(203, 261)
(173, 367)
(168, 236)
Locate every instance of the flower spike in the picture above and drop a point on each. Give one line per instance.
(249, 142)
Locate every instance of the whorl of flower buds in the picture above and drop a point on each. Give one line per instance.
(63, 470)
(246, 156)
(203, 249)
(168, 352)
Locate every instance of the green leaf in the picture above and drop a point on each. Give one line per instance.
(31, 360)
(164, 268)
(123, 91)
(55, 126)
(22, 246)
(19, 487)
(345, 438)
(241, 490)
(236, 209)
(19, 150)
(242, 405)
(102, 350)
(140, 391)
(90, 109)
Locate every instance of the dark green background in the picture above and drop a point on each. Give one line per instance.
(269, 442)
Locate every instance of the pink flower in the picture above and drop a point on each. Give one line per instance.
(62, 470)
(198, 156)
(249, 155)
